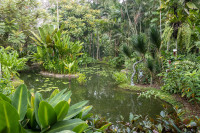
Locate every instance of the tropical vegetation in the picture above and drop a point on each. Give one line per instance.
(152, 43)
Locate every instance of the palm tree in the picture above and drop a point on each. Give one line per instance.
(139, 46)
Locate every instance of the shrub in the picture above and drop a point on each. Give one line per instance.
(183, 78)
(120, 77)
(10, 64)
(55, 51)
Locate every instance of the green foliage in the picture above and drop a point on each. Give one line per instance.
(10, 64)
(120, 77)
(55, 51)
(9, 118)
(183, 77)
(127, 51)
(148, 94)
(31, 113)
(139, 44)
(155, 38)
(16, 19)
(82, 79)
(167, 121)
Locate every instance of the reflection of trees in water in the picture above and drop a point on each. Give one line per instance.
(101, 93)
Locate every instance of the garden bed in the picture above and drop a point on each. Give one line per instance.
(48, 74)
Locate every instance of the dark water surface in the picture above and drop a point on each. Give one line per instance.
(107, 100)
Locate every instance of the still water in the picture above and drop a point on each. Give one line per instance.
(107, 100)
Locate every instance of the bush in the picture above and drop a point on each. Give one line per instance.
(55, 51)
(183, 77)
(10, 64)
(120, 77)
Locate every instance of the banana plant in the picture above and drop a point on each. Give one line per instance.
(29, 112)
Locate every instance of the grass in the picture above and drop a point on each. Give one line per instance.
(164, 96)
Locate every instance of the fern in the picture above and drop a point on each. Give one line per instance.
(167, 34)
(184, 37)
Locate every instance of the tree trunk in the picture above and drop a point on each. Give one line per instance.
(57, 15)
(97, 45)
(90, 47)
(0, 71)
(160, 21)
(151, 83)
(93, 49)
(115, 48)
(134, 71)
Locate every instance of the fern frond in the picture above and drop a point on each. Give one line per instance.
(155, 38)
(139, 44)
(126, 51)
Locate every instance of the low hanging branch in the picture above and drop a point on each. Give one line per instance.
(134, 71)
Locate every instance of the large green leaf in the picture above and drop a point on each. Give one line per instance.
(47, 115)
(60, 97)
(9, 118)
(37, 100)
(80, 128)
(31, 117)
(65, 125)
(54, 93)
(72, 113)
(5, 98)
(85, 110)
(19, 100)
(191, 5)
(61, 110)
(78, 105)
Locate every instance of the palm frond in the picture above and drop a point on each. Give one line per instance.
(150, 64)
(139, 44)
(126, 51)
(155, 38)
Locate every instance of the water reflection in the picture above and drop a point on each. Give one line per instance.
(107, 100)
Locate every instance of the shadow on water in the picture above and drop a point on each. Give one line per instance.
(107, 100)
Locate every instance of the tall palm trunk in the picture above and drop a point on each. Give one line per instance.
(90, 48)
(57, 14)
(160, 21)
(97, 45)
(134, 71)
(0, 71)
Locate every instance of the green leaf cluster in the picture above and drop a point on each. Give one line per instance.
(28, 112)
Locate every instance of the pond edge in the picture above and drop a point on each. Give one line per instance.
(164, 96)
(59, 75)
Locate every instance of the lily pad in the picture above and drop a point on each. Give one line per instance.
(65, 83)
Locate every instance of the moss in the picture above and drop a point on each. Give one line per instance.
(167, 97)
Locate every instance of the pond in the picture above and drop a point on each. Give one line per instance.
(107, 100)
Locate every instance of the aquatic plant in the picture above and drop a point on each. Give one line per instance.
(167, 121)
(82, 78)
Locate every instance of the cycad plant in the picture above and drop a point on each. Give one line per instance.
(139, 46)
